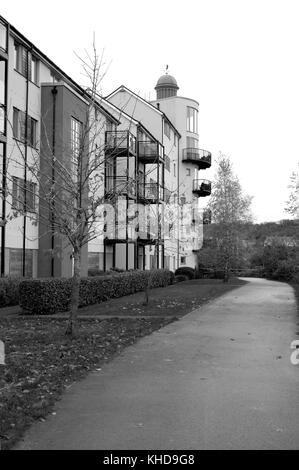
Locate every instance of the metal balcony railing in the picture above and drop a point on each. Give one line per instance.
(150, 152)
(119, 185)
(202, 187)
(151, 192)
(120, 141)
(202, 158)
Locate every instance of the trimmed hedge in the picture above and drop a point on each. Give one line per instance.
(181, 278)
(49, 296)
(9, 291)
(185, 271)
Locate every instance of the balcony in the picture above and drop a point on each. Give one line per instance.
(119, 186)
(150, 152)
(202, 188)
(145, 238)
(148, 238)
(151, 193)
(120, 143)
(199, 157)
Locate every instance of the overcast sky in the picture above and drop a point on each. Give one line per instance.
(238, 58)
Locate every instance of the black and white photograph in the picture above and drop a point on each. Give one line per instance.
(149, 231)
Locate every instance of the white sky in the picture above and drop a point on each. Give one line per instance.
(238, 58)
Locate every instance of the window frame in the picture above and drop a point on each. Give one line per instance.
(19, 128)
(5, 35)
(23, 63)
(192, 120)
(167, 130)
(76, 146)
(20, 191)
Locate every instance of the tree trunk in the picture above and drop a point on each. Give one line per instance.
(149, 282)
(146, 291)
(72, 321)
(226, 272)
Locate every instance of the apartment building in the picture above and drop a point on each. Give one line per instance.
(42, 113)
(173, 120)
(150, 168)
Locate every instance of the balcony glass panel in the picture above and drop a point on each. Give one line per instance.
(196, 155)
(120, 140)
(203, 187)
(150, 191)
(116, 185)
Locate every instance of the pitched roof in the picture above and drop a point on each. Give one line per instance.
(123, 87)
(55, 67)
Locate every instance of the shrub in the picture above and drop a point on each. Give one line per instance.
(181, 278)
(9, 291)
(117, 270)
(285, 271)
(96, 272)
(186, 271)
(49, 296)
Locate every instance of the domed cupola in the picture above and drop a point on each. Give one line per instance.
(166, 86)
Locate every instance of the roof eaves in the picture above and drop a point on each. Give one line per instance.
(67, 78)
(134, 94)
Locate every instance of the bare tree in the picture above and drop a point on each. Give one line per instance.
(292, 206)
(230, 208)
(69, 190)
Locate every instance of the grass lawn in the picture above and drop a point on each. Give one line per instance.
(175, 300)
(41, 362)
(296, 288)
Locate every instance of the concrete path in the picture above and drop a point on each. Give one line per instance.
(219, 378)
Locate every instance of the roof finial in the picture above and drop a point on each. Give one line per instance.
(166, 70)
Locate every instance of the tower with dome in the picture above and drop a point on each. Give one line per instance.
(192, 160)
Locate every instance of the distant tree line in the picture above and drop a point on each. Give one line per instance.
(234, 245)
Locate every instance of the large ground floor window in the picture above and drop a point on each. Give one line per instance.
(95, 260)
(14, 262)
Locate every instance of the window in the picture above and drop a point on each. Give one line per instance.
(76, 138)
(2, 81)
(111, 127)
(76, 142)
(3, 36)
(26, 63)
(31, 132)
(16, 262)
(20, 60)
(175, 139)
(167, 163)
(19, 127)
(167, 129)
(2, 119)
(33, 70)
(95, 260)
(167, 195)
(192, 143)
(174, 169)
(30, 196)
(192, 118)
(22, 190)
(183, 259)
(188, 172)
(19, 119)
(2, 154)
(2, 95)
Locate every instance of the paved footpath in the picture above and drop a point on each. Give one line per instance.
(219, 378)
